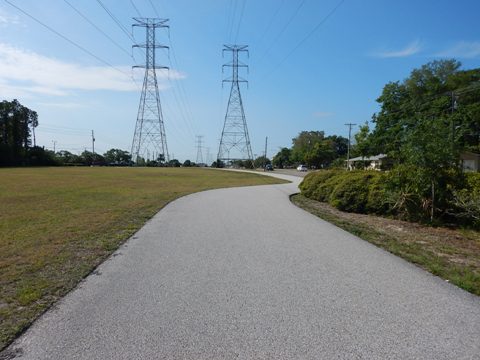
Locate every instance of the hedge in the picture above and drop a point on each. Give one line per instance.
(371, 192)
(352, 191)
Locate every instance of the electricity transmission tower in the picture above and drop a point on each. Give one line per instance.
(235, 141)
(149, 136)
(199, 150)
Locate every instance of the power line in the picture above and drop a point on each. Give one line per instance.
(96, 27)
(154, 8)
(301, 42)
(285, 27)
(313, 30)
(135, 7)
(114, 18)
(232, 23)
(240, 20)
(229, 19)
(66, 38)
(183, 92)
(269, 25)
(63, 127)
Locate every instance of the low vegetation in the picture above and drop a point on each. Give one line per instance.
(395, 194)
(58, 224)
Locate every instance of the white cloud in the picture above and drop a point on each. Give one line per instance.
(411, 49)
(29, 73)
(462, 49)
(322, 114)
(62, 105)
(6, 19)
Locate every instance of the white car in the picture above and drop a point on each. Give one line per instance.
(302, 168)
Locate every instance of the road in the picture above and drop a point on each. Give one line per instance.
(244, 274)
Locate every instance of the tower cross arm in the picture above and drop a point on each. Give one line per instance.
(156, 46)
(150, 67)
(150, 22)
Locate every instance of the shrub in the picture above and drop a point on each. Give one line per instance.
(466, 201)
(325, 189)
(378, 201)
(353, 191)
(311, 183)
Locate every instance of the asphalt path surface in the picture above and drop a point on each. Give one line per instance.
(244, 274)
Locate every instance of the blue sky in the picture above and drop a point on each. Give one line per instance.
(308, 70)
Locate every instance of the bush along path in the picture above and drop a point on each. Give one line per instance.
(353, 201)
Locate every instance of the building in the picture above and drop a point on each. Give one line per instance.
(470, 161)
(376, 162)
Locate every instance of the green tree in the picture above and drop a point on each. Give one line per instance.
(89, 158)
(117, 157)
(174, 163)
(283, 158)
(424, 182)
(362, 145)
(67, 158)
(437, 90)
(16, 124)
(424, 123)
(321, 155)
(340, 145)
(38, 156)
(261, 161)
(304, 143)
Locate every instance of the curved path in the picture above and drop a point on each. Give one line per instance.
(242, 273)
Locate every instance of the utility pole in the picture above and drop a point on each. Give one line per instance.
(199, 150)
(453, 108)
(54, 145)
(93, 144)
(349, 138)
(149, 129)
(265, 154)
(235, 141)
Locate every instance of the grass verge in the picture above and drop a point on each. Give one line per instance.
(453, 255)
(58, 224)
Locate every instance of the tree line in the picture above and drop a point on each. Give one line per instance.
(18, 148)
(425, 121)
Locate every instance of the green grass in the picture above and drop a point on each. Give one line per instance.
(58, 224)
(453, 255)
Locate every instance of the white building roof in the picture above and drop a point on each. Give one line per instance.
(369, 158)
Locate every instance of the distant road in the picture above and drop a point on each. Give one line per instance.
(244, 274)
(292, 172)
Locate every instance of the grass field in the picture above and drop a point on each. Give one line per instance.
(452, 254)
(58, 224)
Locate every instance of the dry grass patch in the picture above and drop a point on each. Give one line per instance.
(453, 254)
(58, 224)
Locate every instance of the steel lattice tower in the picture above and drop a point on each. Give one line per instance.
(149, 136)
(235, 141)
(199, 150)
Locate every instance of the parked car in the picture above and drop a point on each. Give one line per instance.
(268, 167)
(302, 168)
